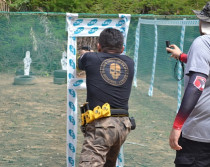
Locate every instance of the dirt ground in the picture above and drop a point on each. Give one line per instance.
(32, 123)
(33, 126)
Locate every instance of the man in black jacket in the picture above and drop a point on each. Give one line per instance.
(109, 78)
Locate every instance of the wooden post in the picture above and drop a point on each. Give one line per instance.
(4, 6)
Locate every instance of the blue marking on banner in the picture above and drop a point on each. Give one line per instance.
(92, 22)
(71, 133)
(72, 49)
(124, 17)
(72, 106)
(74, 38)
(120, 23)
(72, 148)
(106, 22)
(119, 157)
(72, 120)
(77, 83)
(72, 63)
(71, 76)
(124, 47)
(71, 161)
(93, 30)
(72, 92)
(77, 22)
(79, 30)
(122, 29)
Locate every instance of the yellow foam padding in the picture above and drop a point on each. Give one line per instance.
(106, 112)
(97, 112)
(82, 119)
(89, 116)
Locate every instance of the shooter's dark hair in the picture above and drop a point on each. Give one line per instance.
(111, 39)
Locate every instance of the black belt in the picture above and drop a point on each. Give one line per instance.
(119, 112)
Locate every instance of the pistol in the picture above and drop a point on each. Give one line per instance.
(87, 48)
(167, 45)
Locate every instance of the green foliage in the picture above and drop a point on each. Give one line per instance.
(43, 36)
(42, 5)
(158, 7)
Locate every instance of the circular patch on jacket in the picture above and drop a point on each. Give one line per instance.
(114, 71)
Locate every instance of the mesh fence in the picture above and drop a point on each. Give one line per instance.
(33, 109)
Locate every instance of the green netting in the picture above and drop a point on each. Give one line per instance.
(33, 116)
(43, 36)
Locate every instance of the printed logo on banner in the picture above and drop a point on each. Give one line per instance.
(72, 92)
(79, 30)
(77, 83)
(120, 23)
(122, 29)
(93, 30)
(72, 120)
(106, 22)
(71, 161)
(124, 17)
(71, 76)
(72, 49)
(72, 106)
(71, 147)
(71, 133)
(92, 22)
(124, 47)
(77, 22)
(119, 157)
(72, 64)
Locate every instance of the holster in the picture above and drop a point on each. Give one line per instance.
(133, 123)
(83, 129)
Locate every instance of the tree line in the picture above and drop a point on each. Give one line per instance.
(157, 7)
(45, 37)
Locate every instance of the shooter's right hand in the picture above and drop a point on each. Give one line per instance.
(82, 52)
(175, 51)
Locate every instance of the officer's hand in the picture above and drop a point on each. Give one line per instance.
(175, 51)
(173, 139)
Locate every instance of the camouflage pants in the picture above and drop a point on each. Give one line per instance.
(103, 139)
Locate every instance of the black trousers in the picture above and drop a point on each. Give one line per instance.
(193, 154)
